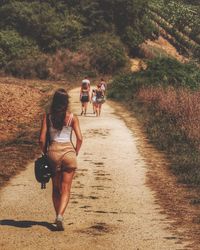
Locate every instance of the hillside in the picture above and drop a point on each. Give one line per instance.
(35, 34)
(178, 21)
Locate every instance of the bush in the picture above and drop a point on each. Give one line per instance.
(134, 36)
(30, 67)
(41, 22)
(70, 63)
(168, 71)
(106, 52)
(14, 47)
(160, 72)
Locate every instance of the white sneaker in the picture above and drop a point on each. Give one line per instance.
(59, 223)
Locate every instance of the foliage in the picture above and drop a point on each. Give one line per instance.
(29, 67)
(170, 118)
(32, 28)
(160, 72)
(168, 71)
(54, 25)
(181, 16)
(106, 53)
(66, 62)
(40, 22)
(13, 46)
(165, 98)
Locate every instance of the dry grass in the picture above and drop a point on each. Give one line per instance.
(67, 63)
(181, 105)
(159, 48)
(22, 102)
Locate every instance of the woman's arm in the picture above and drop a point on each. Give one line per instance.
(43, 132)
(77, 130)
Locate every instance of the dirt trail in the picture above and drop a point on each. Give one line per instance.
(111, 206)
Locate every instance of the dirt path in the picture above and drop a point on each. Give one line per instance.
(111, 206)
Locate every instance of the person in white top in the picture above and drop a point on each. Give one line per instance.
(103, 85)
(87, 81)
(85, 95)
(61, 153)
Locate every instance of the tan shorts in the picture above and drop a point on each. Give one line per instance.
(62, 156)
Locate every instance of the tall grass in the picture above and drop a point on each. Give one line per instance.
(180, 104)
(166, 99)
(171, 118)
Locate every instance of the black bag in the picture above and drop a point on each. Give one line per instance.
(43, 170)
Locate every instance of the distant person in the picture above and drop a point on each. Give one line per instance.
(86, 81)
(103, 85)
(61, 153)
(99, 99)
(93, 100)
(85, 95)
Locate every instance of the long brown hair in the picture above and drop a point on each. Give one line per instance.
(59, 107)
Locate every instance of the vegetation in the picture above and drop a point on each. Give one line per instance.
(161, 72)
(181, 20)
(165, 98)
(39, 29)
(106, 52)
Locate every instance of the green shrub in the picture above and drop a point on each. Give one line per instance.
(160, 72)
(13, 46)
(168, 71)
(107, 53)
(41, 22)
(135, 35)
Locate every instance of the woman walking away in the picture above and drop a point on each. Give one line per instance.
(99, 99)
(103, 85)
(84, 96)
(61, 153)
(93, 99)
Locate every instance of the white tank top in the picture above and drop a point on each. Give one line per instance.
(63, 135)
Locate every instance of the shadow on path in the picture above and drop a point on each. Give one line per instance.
(27, 224)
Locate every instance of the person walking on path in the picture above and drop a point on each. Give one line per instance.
(93, 100)
(61, 153)
(99, 99)
(85, 95)
(103, 85)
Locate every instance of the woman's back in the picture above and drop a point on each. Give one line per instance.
(63, 135)
(99, 93)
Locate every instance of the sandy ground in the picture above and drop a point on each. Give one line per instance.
(111, 205)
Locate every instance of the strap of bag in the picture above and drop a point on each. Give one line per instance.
(47, 134)
(69, 124)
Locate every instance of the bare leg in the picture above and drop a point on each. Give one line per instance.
(56, 180)
(100, 109)
(82, 108)
(94, 108)
(65, 191)
(86, 108)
